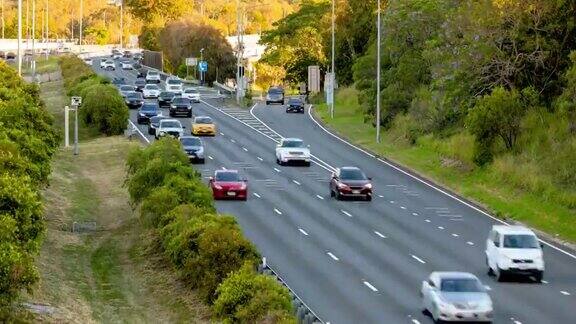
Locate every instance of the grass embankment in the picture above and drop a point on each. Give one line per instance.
(43, 65)
(447, 161)
(112, 272)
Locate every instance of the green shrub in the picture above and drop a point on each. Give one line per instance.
(166, 149)
(247, 297)
(104, 108)
(158, 204)
(74, 71)
(221, 250)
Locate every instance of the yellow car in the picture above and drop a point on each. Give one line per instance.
(203, 125)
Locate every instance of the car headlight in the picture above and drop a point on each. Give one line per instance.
(217, 187)
(243, 186)
(127, 101)
(368, 186)
(342, 186)
(142, 115)
(161, 133)
(173, 106)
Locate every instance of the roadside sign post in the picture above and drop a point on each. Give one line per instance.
(203, 67)
(66, 126)
(76, 102)
(190, 61)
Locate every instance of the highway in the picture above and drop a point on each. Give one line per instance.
(361, 262)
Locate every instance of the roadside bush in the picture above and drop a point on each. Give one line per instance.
(74, 71)
(247, 297)
(104, 108)
(166, 149)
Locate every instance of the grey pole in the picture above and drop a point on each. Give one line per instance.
(3, 20)
(34, 40)
(378, 77)
(238, 53)
(47, 36)
(76, 152)
(333, 73)
(121, 23)
(81, 21)
(20, 37)
(201, 71)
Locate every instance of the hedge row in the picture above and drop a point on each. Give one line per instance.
(102, 106)
(208, 249)
(28, 141)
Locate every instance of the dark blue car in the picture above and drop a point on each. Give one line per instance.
(147, 111)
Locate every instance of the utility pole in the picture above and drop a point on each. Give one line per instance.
(20, 37)
(378, 77)
(238, 53)
(34, 40)
(81, 21)
(3, 24)
(121, 23)
(47, 36)
(332, 72)
(202, 70)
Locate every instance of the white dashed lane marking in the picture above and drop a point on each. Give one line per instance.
(369, 285)
(277, 211)
(440, 227)
(346, 213)
(417, 259)
(402, 207)
(469, 243)
(261, 159)
(455, 235)
(379, 234)
(296, 182)
(277, 170)
(232, 140)
(414, 214)
(211, 158)
(320, 197)
(245, 149)
(427, 221)
(257, 195)
(303, 231)
(335, 258)
(565, 293)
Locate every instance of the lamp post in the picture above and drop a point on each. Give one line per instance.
(81, 23)
(20, 37)
(33, 40)
(378, 77)
(332, 70)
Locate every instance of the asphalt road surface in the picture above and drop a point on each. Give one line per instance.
(361, 262)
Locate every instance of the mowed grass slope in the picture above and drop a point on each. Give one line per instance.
(109, 269)
(448, 162)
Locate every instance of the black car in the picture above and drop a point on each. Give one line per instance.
(295, 105)
(153, 124)
(181, 105)
(137, 66)
(140, 84)
(147, 111)
(134, 100)
(165, 98)
(118, 81)
(275, 95)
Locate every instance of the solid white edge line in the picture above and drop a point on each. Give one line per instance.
(428, 184)
(333, 256)
(417, 259)
(139, 132)
(303, 231)
(277, 211)
(369, 285)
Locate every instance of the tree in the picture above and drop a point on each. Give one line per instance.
(165, 10)
(497, 115)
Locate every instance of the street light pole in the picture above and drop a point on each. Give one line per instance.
(20, 37)
(81, 21)
(33, 40)
(3, 19)
(238, 53)
(333, 73)
(378, 77)
(121, 23)
(47, 36)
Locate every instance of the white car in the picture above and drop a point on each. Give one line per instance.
(126, 65)
(292, 150)
(192, 94)
(151, 91)
(116, 56)
(174, 85)
(153, 77)
(456, 297)
(169, 127)
(107, 65)
(88, 61)
(514, 250)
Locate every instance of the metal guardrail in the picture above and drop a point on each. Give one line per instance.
(303, 313)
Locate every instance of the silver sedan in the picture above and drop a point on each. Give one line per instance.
(456, 297)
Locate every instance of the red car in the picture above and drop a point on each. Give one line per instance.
(227, 184)
(350, 182)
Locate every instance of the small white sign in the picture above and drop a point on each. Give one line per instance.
(76, 101)
(191, 61)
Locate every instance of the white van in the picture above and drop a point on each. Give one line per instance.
(514, 250)
(174, 85)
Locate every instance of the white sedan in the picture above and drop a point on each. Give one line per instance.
(456, 297)
(192, 94)
(151, 91)
(107, 65)
(126, 66)
(292, 150)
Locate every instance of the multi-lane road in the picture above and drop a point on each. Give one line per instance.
(361, 262)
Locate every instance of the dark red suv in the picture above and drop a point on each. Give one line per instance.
(350, 182)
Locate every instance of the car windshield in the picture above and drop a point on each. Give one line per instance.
(191, 141)
(460, 285)
(174, 81)
(149, 107)
(180, 100)
(191, 91)
(292, 144)
(126, 88)
(352, 174)
(165, 94)
(294, 102)
(156, 119)
(140, 82)
(171, 124)
(134, 95)
(517, 241)
(203, 120)
(152, 73)
(275, 91)
(227, 176)
(151, 87)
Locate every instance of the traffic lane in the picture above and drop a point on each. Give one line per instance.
(428, 247)
(294, 207)
(421, 198)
